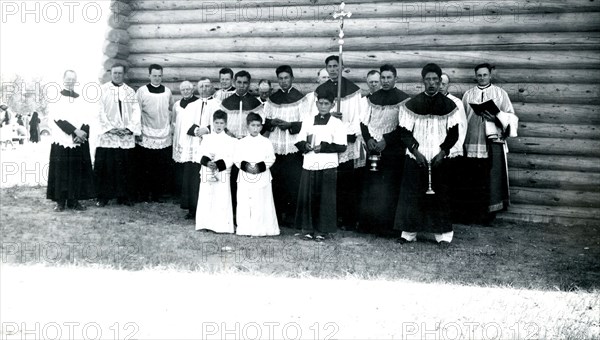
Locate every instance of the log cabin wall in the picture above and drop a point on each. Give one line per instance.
(546, 55)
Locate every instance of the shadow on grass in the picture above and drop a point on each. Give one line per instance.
(532, 256)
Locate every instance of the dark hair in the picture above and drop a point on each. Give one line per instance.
(154, 67)
(119, 65)
(323, 93)
(431, 67)
(332, 57)
(253, 117)
(372, 72)
(264, 81)
(486, 65)
(284, 68)
(388, 67)
(242, 73)
(226, 70)
(220, 114)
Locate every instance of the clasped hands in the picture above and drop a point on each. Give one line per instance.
(280, 123)
(120, 132)
(376, 146)
(315, 149)
(200, 131)
(252, 169)
(80, 136)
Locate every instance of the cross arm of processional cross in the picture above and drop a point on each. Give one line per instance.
(341, 14)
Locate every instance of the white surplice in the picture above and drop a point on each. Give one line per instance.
(214, 211)
(255, 214)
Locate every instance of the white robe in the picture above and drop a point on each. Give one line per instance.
(156, 118)
(186, 148)
(255, 212)
(478, 130)
(457, 149)
(214, 211)
(76, 111)
(109, 116)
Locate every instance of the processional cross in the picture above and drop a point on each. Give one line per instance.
(340, 15)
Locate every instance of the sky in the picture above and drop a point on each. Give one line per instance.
(44, 38)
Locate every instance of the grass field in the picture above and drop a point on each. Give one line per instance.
(145, 269)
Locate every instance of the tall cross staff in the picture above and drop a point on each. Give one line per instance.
(340, 15)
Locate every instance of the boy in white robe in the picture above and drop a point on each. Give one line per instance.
(254, 156)
(214, 211)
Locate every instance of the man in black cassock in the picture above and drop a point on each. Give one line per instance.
(428, 127)
(70, 176)
(349, 175)
(284, 112)
(380, 189)
(237, 106)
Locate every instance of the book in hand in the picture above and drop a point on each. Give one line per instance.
(488, 106)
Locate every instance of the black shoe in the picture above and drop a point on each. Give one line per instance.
(323, 237)
(101, 203)
(78, 206)
(444, 244)
(306, 237)
(59, 207)
(402, 240)
(190, 216)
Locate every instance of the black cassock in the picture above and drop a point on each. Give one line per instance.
(417, 211)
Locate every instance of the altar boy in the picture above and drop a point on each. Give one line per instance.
(321, 140)
(254, 156)
(214, 211)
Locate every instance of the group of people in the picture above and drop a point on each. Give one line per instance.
(382, 163)
(7, 123)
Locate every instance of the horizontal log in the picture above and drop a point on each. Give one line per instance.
(527, 129)
(122, 7)
(118, 21)
(117, 36)
(449, 11)
(460, 42)
(554, 179)
(531, 93)
(186, 4)
(457, 75)
(410, 59)
(553, 162)
(555, 197)
(115, 50)
(567, 216)
(107, 63)
(554, 146)
(558, 113)
(548, 22)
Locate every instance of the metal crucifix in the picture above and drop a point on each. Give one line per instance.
(340, 15)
